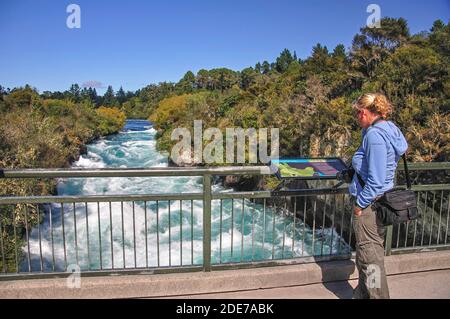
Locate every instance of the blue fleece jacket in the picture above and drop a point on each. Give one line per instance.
(376, 161)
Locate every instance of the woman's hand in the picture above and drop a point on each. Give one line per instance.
(357, 211)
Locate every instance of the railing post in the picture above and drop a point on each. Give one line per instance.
(207, 222)
(388, 242)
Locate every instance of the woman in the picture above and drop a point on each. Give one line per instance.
(375, 163)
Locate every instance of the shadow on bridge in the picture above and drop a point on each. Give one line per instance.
(336, 276)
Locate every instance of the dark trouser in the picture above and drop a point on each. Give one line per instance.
(369, 235)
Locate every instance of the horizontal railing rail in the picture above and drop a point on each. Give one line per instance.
(134, 172)
(172, 171)
(202, 230)
(425, 166)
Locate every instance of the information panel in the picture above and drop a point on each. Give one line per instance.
(307, 168)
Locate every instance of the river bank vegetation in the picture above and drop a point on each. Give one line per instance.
(37, 132)
(40, 132)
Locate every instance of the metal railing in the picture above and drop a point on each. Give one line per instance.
(430, 230)
(204, 230)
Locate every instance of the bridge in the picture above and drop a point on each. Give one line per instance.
(210, 241)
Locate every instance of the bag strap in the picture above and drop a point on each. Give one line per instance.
(408, 180)
(360, 180)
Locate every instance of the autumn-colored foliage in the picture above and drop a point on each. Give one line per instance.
(111, 119)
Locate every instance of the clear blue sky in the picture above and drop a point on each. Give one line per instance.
(134, 43)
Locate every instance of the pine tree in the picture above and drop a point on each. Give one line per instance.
(186, 84)
(283, 61)
(258, 67)
(74, 92)
(109, 98)
(120, 96)
(265, 67)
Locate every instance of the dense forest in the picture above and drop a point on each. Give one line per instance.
(310, 99)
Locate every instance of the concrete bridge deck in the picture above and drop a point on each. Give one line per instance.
(419, 285)
(416, 275)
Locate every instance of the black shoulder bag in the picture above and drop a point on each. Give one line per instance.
(397, 205)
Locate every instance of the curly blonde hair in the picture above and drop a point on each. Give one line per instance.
(374, 102)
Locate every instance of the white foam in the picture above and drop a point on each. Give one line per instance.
(150, 131)
(92, 162)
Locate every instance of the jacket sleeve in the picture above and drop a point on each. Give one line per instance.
(376, 157)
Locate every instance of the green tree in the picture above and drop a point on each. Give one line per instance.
(440, 38)
(258, 67)
(248, 76)
(413, 78)
(372, 45)
(203, 79)
(93, 96)
(109, 97)
(120, 96)
(222, 79)
(339, 52)
(75, 92)
(26, 97)
(265, 67)
(186, 84)
(320, 61)
(284, 60)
